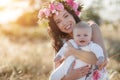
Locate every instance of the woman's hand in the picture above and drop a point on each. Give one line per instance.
(74, 74)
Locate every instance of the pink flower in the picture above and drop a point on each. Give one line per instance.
(59, 6)
(70, 2)
(46, 12)
(55, 7)
(43, 13)
(74, 5)
(96, 75)
(52, 7)
(77, 12)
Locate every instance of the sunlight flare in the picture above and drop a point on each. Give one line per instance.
(11, 12)
(4, 2)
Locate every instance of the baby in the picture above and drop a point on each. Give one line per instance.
(82, 34)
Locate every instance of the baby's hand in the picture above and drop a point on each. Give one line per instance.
(57, 58)
(100, 62)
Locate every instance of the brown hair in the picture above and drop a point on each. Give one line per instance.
(58, 35)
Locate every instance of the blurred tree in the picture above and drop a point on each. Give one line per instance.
(90, 14)
(28, 19)
(108, 10)
(35, 4)
(101, 10)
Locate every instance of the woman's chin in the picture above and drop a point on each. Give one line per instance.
(69, 31)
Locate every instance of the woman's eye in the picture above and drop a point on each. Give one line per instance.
(66, 16)
(57, 22)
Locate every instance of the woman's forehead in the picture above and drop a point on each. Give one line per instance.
(60, 14)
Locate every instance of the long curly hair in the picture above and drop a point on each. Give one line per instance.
(54, 31)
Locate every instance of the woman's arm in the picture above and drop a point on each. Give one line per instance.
(85, 56)
(97, 37)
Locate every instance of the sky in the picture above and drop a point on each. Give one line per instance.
(10, 10)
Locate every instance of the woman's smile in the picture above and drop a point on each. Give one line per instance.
(68, 27)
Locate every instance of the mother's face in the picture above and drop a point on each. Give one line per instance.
(64, 21)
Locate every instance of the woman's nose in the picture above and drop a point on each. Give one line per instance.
(64, 21)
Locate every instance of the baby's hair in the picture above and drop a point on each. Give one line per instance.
(82, 25)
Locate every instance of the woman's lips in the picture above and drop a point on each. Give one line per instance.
(68, 27)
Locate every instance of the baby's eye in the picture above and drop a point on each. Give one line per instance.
(85, 35)
(78, 35)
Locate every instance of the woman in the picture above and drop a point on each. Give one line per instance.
(62, 16)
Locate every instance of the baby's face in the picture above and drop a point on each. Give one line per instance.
(82, 36)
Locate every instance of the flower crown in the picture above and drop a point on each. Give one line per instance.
(56, 6)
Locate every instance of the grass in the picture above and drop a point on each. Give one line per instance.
(25, 61)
